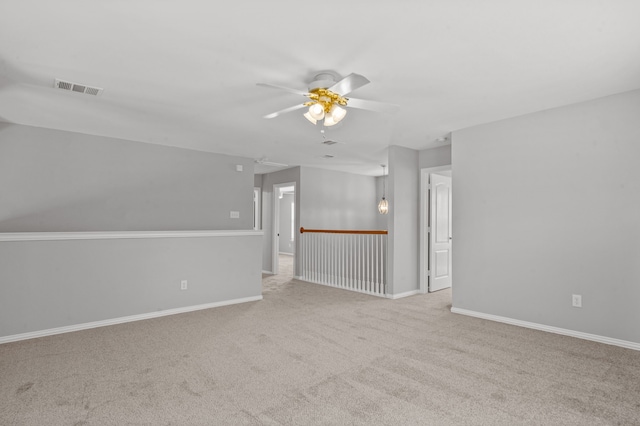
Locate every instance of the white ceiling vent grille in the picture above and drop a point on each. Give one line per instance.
(75, 87)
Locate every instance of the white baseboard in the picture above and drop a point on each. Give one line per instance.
(550, 329)
(355, 290)
(121, 320)
(267, 272)
(405, 294)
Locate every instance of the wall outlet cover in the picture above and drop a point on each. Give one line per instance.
(576, 300)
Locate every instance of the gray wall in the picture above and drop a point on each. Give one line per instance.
(51, 284)
(52, 180)
(434, 157)
(60, 181)
(286, 244)
(337, 200)
(403, 246)
(545, 206)
(257, 181)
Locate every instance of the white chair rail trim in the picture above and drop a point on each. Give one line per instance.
(56, 236)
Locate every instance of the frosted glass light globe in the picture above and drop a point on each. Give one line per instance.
(329, 121)
(338, 113)
(316, 111)
(383, 206)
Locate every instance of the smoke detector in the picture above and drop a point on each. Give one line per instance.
(76, 87)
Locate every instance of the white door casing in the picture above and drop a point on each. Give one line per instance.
(425, 173)
(257, 215)
(440, 232)
(275, 240)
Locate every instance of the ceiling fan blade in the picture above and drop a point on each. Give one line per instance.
(373, 105)
(284, 111)
(287, 89)
(348, 84)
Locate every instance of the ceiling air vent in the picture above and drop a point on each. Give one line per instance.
(75, 87)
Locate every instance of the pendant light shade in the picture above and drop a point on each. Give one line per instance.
(383, 205)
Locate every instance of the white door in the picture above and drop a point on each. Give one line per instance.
(440, 232)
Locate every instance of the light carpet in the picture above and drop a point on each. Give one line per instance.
(313, 355)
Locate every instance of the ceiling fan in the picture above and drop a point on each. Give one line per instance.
(264, 161)
(327, 97)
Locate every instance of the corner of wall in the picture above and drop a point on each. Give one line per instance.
(403, 222)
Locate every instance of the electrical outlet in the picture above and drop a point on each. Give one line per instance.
(234, 215)
(576, 300)
(183, 285)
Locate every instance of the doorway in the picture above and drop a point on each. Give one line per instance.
(435, 229)
(284, 231)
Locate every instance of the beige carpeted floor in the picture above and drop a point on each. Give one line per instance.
(309, 354)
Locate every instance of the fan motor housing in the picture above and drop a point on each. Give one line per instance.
(324, 80)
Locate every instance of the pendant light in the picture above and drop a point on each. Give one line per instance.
(383, 205)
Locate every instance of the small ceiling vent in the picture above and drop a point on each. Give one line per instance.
(75, 87)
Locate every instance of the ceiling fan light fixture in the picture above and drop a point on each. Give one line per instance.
(329, 121)
(338, 113)
(327, 96)
(316, 111)
(308, 116)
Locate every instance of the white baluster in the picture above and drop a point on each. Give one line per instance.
(350, 260)
(340, 255)
(360, 262)
(315, 257)
(365, 241)
(377, 263)
(372, 283)
(383, 265)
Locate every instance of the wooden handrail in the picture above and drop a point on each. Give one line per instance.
(344, 231)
